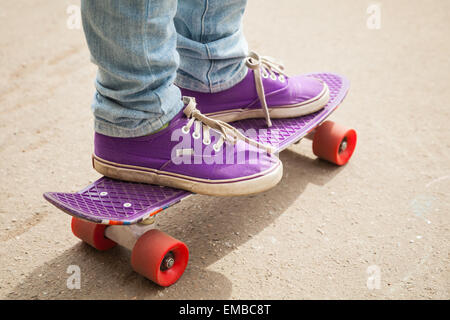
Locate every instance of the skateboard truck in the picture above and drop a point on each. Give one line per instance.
(148, 221)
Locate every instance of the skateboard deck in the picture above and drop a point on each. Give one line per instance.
(113, 202)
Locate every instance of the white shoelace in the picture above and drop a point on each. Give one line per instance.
(264, 67)
(227, 132)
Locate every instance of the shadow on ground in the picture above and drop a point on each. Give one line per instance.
(199, 221)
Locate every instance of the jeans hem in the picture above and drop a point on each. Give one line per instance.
(148, 127)
(188, 83)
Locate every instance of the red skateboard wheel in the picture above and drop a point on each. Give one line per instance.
(159, 257)
(334, 143)
(92, 233)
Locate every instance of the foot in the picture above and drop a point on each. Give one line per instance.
(193, 153)
(266, 92)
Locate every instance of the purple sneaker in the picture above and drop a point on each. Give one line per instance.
(193, 153)
(265, 92)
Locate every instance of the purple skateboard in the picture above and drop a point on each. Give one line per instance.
(113, 202)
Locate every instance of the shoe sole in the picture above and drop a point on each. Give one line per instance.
(234, 187)
(279, 112)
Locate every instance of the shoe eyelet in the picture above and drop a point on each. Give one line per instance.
(273, 77)
(282, 79)
(216, 148)
(206, 142)
(264, 75)
(185, 130)
(196, 135)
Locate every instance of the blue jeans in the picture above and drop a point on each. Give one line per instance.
(144, 49)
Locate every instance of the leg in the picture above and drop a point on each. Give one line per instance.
(227, 84)
(133, 43)
(211, 44)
